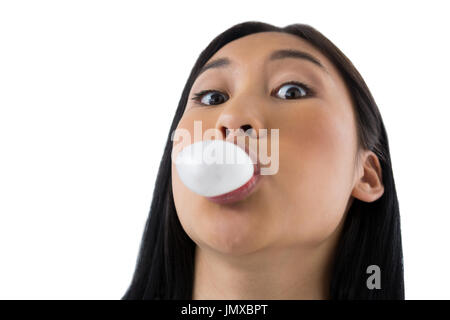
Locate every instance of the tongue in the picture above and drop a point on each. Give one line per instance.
(213, 167)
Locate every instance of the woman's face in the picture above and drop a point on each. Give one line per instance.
(304, 203)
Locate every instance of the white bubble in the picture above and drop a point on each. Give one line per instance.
(207, 168)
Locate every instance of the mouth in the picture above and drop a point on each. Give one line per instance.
(245, 190)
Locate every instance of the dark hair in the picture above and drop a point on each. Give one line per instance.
(371, 232)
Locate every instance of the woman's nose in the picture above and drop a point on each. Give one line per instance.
(248, 118)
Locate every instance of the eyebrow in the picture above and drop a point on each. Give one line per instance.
(275, 55)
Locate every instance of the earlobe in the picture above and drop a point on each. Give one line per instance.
(369, 185)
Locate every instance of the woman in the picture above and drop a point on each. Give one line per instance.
(325, 226)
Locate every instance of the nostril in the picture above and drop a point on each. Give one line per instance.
(227, 132)
(250, 131)
(247, 127)
(246, 130)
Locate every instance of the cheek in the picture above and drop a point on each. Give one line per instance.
(316, 170)
(181, 201)
(191, 208)
(186, 202)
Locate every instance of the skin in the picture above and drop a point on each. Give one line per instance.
(278, 243)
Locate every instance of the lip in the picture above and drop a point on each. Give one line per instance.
(245, 190)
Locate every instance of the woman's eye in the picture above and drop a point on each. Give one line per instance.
(205, 96)
(291, 89)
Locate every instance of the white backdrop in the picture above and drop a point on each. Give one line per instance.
(88, 90)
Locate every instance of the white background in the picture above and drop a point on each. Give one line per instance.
(88, 90)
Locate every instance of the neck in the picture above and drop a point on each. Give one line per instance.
(269, 274)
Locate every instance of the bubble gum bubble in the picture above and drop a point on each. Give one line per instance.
(214, 167)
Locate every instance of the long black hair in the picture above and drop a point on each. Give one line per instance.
(371, 232)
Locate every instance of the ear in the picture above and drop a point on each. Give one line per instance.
(369, 181)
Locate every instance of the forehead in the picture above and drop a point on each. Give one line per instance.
(258, 46)
(254, 51)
